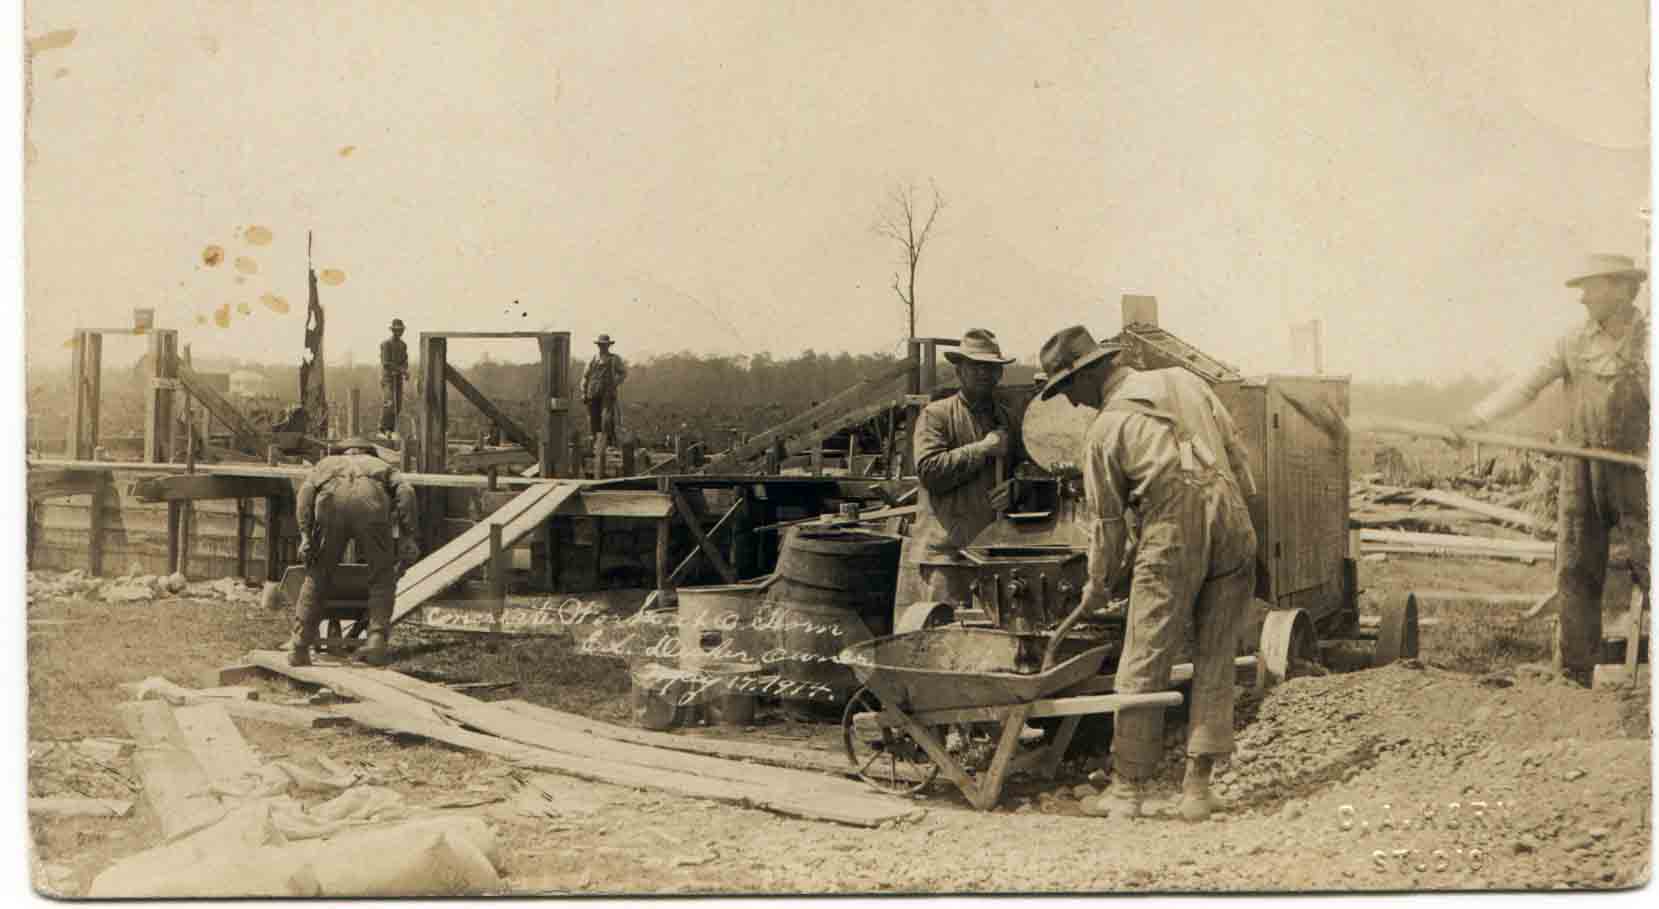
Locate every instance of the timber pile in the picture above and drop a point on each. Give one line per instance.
(1400, 520)
(391, 702)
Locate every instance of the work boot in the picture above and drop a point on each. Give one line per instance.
(1122, 799)
(1197, 801)
(374, 651)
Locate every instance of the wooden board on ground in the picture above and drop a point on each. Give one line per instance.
(363, 684)
(174, 783)
(285, 715)
(866, 810)
(507, 734)
(217, 746)
(77, 807)
(452, 561)
(758, 752)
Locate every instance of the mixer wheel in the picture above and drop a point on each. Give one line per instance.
(885, 758)
(1397, 635)
(1288, 643)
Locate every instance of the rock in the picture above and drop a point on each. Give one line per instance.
(1598, 833)
(1098, 777)
(175, 582)
(1573, 775)
(1084, 791)
(1291, 811)
(1523, 845)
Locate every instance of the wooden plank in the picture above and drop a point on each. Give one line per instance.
(509, 426)
(435, 573)
(617, 503)
(1475, 506)
(73, 807)
(284, 715)
(213, 740)
(209, 486)
(851, 397)
(45, 484)
(1523, 443)
(689, 518)
(813, 440)
(730, 749)
(446, 480)
(365, 685)
(859, 808)
(246, 436)
(491, 458)
(174, 783)
(1454, 542)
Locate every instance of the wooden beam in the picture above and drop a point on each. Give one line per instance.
(665, 533)
(175, 785)
(705, 543)
(434, 434)
(491, 458)
(617, 503)
(96, 520)
(509, 426)
(49, 484)
(158, 395)
(246, 437)
(210, 486)
(1523, 443)
(213, 740)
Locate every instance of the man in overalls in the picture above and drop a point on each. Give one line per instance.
(603, 376)
(350, 496)
(1164, 446)
(1602, 509)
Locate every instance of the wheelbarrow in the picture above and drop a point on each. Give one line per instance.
(348, 600)
(919, 684)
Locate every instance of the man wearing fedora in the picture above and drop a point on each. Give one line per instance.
(1163, 446)
(1603, 367)
(604, 374)
(394, 369)
(352, 495)
(959, 444)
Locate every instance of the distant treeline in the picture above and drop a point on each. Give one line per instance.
(707, 397)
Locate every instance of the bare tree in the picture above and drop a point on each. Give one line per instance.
(903, 221)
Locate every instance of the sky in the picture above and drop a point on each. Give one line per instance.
(1421, 177)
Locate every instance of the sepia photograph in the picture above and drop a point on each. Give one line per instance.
(742, 448)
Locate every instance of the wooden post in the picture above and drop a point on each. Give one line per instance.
(498, 578)
(73, 448)
(852, 452)
(680, 464)
(354, 412)
(665, 532)
(600, 444)
(913, 350)
(889, 460)
(158, 396)
(273, 539)
(628, 458)
(745, 558)
(818, 458)
(434, 435)
(555, 376)
(598, 552)
(930, 366)
(242, 538)
(95, 525)
(771, 465)
(175, 512)
(86, 369)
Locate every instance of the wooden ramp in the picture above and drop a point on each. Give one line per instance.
(451, 562)
(396, 703)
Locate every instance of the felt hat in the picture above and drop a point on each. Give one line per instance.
(1598, 265)
(603, 341)
(979, 346)
(1068, 351)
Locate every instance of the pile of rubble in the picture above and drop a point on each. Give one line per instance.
(135, 587)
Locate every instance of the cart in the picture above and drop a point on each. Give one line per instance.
(920, 684)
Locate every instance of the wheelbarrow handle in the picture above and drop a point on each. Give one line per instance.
(1053, 647)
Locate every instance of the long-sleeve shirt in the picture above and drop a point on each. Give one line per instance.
(1158, 428)
(1606, 382)
(957, 475)
(339, 474)
(394, 355)
(603, 374)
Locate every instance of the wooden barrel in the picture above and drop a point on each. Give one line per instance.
(832, 589)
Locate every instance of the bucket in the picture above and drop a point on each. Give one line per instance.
(654, 698)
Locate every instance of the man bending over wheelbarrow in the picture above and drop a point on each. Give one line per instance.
(1164, 446)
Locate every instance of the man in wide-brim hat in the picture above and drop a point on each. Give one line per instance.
(603, 376)
(1602, 509)
(394, 369)
(959, 442)
(1163, 446)
(352, 496)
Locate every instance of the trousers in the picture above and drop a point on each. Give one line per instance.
(391, 400)
(1194, 573)
(1601, 530)
(341, 518)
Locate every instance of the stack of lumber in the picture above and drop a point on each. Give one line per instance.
(1394, 519)
(783, 780)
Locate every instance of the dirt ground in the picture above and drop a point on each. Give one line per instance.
(1467, 769)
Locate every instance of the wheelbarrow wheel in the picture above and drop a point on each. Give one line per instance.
(885, 758)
